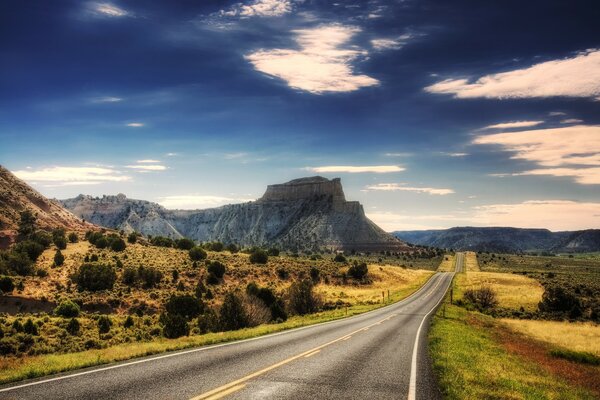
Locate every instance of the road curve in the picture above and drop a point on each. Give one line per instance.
(379, 354)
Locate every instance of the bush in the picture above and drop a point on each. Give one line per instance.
(232, 248)
(30, 328)
(128, 322)
(483, 298)
(301, 298)
(67, 309)
(117, 244)
(197, 253)
(216, 268)
(211, 279)
(315, 274)
(129, 276)
(104, 324)
(59, 259)
(7, 285)
(259, 256)
(9, 346)
(273, 251)
(232, 315)
(73, 327)
(73, 238)
(186, 306)
(184, 244)
(30, 248)
(132, 237)
(339, 258)
(94, 277)
(208, 321)
(358, 271)
(18, 263)
(94, 258)
(256, 311)
(174, 326)
(60, 242)
(162, 241)
(101, 243)
(215, 246)
(560, 300)
(149, 276)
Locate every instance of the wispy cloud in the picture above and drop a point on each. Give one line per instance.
(107, 10)
(394, 187)
(172, 154)
(571, 121)
(69, 176)
(191, 202)
(259, 8)
(513, 124)
(568, 151)
(147, 161)
(555, 215)
(135, 124)
(390, 43)
(578, 76)
(455, 154)
(147, 167)
(379, 169)
(323, 64)
(106, 99)
(398, 154)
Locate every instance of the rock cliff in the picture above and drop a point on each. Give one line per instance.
(303, 214)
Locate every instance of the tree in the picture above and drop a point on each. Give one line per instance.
(339, 258)
(232, 315)
(60, 242)
(186, 306)
(216, 268)
(184, 243)
(104, 324)
(30, 328)
(101, 243)
(26, 224)
(197, 253)
(132, 237)
(73, 238)
(59, 259)
(174, 326)
(94, 277)
(128, 322)
(73, 327)
(6, 284)
(273, 251)
(117, 244)
(301, 297)
(67, 309)
(19, 263)
(358, 271)
(259, 256)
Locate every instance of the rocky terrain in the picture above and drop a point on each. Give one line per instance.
(16, 196)
(303, 214)
(505, 240)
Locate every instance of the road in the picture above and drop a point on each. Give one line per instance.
(377, 355)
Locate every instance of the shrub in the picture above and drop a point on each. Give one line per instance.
(94, 277)
(67, 309)
(301, 298)
(256, 311)
(117, 244)
(560, 300)
(483, 298)
(282, 273)
(149, 276)
(216, 268)
(9, 346)
(73, 327)
(215, 246)
(174, 326)
(30, 248)
(104, 324)
(94, 257)
(259, 256)
(129, 276)
(60, 242)
(128, 322)
(184, 244)
(73, 238)
(132, 237)
(42, 237)
(19, 263)
(211, 279)
(59, 259)
(273, 251)
(339, 258)
(232, 315)
(101, 243)
(358, 271)
(197, 253)
(26, 224)
(315, 274)
(232, 248)
(162, 241)
(208, 321)
(30, 328)
(186, 306)
(7, 285)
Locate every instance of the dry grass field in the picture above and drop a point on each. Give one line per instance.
(576, 336)
(471, 264)
(447, 264)
(513, 291)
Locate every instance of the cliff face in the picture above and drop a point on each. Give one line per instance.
(307, 213)
(16, 196)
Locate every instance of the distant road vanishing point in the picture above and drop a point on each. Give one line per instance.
(381, 354)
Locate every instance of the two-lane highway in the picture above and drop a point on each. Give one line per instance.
(380, 354)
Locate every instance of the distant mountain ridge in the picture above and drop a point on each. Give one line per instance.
(16, 196)
(307, 213)
(504, 239)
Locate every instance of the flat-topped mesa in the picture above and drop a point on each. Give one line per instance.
(305, 189)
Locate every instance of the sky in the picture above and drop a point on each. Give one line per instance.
(433, 113)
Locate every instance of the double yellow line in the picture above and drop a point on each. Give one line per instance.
(239, 384)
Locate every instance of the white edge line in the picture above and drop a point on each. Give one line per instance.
(412, 387)
(204, 348)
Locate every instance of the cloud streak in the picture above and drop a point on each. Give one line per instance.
(69, 176)
(352, 169)
(394, 187)
(259, 8)
(514, 124)
(578, 76)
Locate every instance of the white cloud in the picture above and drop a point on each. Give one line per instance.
(147, 161)
(571, 121)
(569, 151)
(514, 124)
(147, 167)
(556, 215)
(456, 154)
(69, 176)
(107, 10)
(393, 187)
(192, 202)
(397, 154)
(379, 169)
(259, 8)
(323, 64)
(106, 99)
(556, 113)
(135, 124)
(578, 76)
(233, 156)
(390, 43)
(172, 154)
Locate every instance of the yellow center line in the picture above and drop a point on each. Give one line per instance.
(312, 354)
(238, 382)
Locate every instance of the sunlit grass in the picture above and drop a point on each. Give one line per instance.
(447, 264)
(471, 264)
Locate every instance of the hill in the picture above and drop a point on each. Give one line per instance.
(16, 196)
(303, 214)
(505, 240)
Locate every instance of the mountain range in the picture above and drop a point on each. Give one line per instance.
(505, 240)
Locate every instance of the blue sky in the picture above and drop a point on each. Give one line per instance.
(433, 113)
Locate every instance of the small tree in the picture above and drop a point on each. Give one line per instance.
(73, 238)
(358, 271)
(197, 253)
(301, 298)
(117, 244)
(185, 305)
(94, 277)
(259, 256)
(67, 309)
(232, 315)
(184, 244)
(30, 328)
(339, 258)
(6, 284)
(216, 268)
(59, 259)
(26, 224)
(104, 324)
(174, 326)
(101, 243)
(132, 237)
(73, 327)
(60, 242)
(128, 322)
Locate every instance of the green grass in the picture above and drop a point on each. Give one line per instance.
(470, 364)
(580, 357)
(19, 368)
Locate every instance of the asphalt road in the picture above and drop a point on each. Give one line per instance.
(377, 355)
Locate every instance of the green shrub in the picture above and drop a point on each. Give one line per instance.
(30, 328)
(67, 309)
(149, 276)
(208, 321)
(162, 241)
(216, 268)
(117, 244)
(30, 248)
(94, 277)
(132, 237)
(273, 251)
(184, 305)
(259, 256)
(59, 259)
(73, 238)
(101, 243)
(73, 327)
(104, 324)
(483, 298)
(197, 253)
(232, 315)
(9, 346)
(174, 326)
(129, 276)
(215, 246)
(7, 285)
(232, 248)
(128, 322)
(60, 242)
(358, 271)
(301, 298)
(315, 274)
(184, 243)
(18, 263)
(339, 258)
(94, 258)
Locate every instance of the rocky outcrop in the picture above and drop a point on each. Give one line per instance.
(308, 213)
(16, 196)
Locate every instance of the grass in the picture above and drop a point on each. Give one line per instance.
(583, 337)
(513, 291)
(576, 356)
(472, 364)
(19, 368)
(447, 264)
(471, 264)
